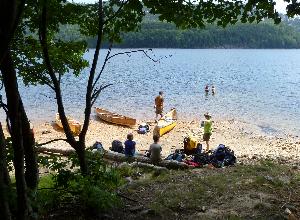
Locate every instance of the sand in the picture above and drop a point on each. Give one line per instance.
(247, 140)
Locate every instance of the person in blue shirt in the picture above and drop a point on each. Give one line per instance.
(129, 146)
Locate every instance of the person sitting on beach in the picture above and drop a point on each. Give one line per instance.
(207, 129)
(155, 150)
(129, 146)
(206, 89)
(159, 105)
(213, 90)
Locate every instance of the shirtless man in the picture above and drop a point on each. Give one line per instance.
(159, 105)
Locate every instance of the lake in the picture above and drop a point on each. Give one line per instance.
(256, 86)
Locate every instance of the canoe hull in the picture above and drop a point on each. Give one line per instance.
(115, 118)
(166, 123)
(75, 126)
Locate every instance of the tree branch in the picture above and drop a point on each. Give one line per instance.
(89, 90)
(9, 34)
(144, 51)
(116, 13)
(56, 85)
(54, 140)
(103, 66)
(49, 84)
(97, 92)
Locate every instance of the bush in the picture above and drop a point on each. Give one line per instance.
(66, 186)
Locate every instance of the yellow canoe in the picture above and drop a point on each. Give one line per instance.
(115, 118)
(166, 123)
(75, 126)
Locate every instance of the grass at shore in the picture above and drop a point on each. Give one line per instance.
(260, 191)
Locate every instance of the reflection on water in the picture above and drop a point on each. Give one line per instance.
(257, 86)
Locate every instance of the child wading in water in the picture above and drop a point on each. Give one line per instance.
(207, 129)
(129, 146)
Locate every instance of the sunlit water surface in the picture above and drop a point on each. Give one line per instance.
(256, 86)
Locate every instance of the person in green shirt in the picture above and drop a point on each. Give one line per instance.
(207, 129)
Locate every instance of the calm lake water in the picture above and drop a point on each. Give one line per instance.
(256, 86)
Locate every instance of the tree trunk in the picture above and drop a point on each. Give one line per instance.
(4, 179)
(7, 22)
(31, 165)
(14, 114)
(80, 150)
(89, 90)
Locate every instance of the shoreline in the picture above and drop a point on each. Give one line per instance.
(247, 140)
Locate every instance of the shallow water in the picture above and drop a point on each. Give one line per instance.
(256, 86)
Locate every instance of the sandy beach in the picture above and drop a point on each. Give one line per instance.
(247, 141)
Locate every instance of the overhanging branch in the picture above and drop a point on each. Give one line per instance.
(54, 140)
(97, 92)
(116, 13)
(144, 51)
(103, 66)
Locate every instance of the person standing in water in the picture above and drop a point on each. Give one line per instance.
(206, 89)
(207, 129)
(213, 90)
(159, 104)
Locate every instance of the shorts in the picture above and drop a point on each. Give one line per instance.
(206, 136)
(159, 111)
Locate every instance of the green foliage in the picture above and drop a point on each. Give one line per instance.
(155, 34)
(126, 170)
(194, 14)
(95, 191)
(9, 154)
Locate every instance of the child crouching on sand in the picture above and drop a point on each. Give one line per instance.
(155, 150)
(129, 146)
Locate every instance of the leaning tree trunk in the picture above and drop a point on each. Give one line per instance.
(31, 165)
(4, 180)
(15, 117)
(7, 21)
(80, 150)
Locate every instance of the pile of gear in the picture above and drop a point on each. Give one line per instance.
(193, 155)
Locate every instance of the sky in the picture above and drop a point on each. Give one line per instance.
(280, 4)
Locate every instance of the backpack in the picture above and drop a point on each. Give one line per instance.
(220, 153)
(202, 158)
(143, 128)
(117, 146)
(178, 156)
(191, 145)
(98, 147)
(223, 156)
(229, 159)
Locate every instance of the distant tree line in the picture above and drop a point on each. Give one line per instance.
(164, 35)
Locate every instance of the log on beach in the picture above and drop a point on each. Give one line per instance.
(170, 164)
(114, 156)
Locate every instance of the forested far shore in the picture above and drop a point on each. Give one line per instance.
(154, 34)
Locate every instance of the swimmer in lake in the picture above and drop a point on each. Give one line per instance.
(206, 89)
